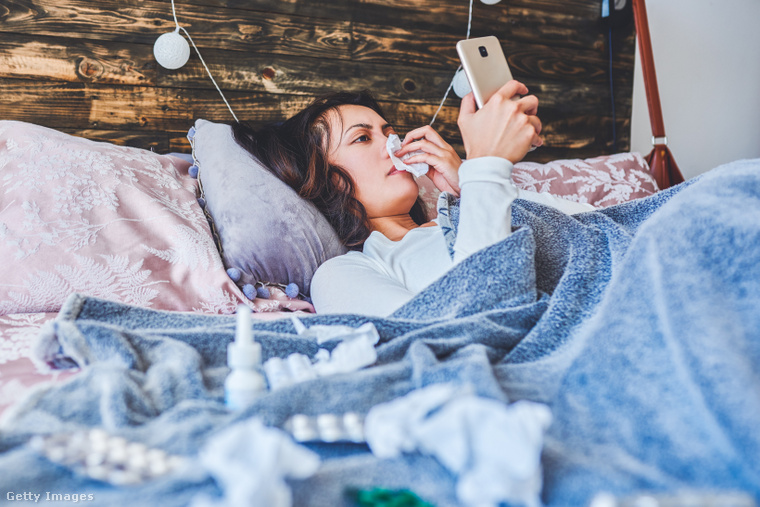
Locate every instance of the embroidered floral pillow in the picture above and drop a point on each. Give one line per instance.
(600, 181)
(103, 220)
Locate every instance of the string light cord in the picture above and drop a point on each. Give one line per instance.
(451, 84)
(174, 14)
(469, 20)
(445, 96)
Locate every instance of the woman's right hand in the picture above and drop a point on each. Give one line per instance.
(503, 127)
(441, 158)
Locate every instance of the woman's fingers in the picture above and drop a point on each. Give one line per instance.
(503, 127)
(511, 89)
(442, 162)
(529, 104)
(468, 105)
(536, 122)
(446, 161)
(424, 145)
(427, 132)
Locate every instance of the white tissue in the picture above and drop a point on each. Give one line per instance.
(350, 355)
(493, 448)
(393, 145)
(390, 427)
(356, 350)
(335, 332)
(285, 372)
(250, 463)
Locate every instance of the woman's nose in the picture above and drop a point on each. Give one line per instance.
(384, 147)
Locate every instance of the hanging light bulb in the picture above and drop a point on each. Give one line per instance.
(171, 50)
(490, 2)
(461, 84)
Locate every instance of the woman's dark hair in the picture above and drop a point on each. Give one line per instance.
(296, 152)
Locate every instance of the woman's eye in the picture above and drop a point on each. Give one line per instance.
(362, 139)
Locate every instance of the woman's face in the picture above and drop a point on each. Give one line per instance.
(357, 144)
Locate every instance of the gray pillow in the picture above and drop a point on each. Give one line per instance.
(265, 229)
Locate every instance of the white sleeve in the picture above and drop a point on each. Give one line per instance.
(354, 283)
(485, 208)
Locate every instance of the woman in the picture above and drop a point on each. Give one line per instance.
(334, 154)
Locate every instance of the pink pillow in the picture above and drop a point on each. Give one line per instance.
(600, 181)
(103, 220)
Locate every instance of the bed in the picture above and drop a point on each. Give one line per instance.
(174, 262)
(539, 382)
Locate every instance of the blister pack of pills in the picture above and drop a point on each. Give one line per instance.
(348, 427)
(104, 457)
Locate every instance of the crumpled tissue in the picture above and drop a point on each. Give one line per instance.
(335, 332)
(356, 350)
(393, 145)
(250, 462)
(493, 448)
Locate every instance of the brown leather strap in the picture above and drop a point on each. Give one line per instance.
(647, 66)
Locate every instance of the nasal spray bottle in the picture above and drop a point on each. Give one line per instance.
(244, 383)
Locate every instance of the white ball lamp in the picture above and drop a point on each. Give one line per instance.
(490, 2)
(171, 50)
(461, 84)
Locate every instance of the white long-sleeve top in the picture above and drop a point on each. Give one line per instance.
(386, 274)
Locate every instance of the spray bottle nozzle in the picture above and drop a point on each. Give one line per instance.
(244, 352)
(243, 332)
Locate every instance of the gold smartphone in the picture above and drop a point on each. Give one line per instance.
(485, 66)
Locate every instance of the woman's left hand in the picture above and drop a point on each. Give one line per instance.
(437, 154)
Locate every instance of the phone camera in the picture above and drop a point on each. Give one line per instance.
(483, 51)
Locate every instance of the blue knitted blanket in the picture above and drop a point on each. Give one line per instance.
(638, 325)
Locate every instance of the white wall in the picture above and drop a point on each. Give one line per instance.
(707, 57)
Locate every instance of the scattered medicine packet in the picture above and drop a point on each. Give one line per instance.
(105, 457)
(348, 427)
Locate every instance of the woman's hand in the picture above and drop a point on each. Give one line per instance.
(437, 154)
(504, 127)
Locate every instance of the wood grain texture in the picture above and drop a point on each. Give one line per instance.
(77, 60)
(86, 66)
(143, 21)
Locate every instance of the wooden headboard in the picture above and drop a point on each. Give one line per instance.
(87, 67)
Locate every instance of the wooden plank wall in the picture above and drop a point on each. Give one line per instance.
(87, 67)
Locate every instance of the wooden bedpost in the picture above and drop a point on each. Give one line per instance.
(660, 159)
